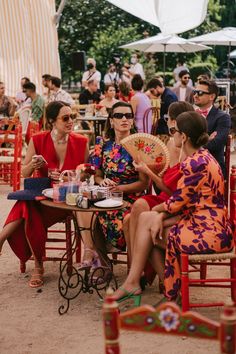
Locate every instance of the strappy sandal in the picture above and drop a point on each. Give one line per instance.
(93, 262)
(134, 294)
(36, 280)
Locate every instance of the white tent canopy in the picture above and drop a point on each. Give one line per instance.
(29, 43)
(169, 15)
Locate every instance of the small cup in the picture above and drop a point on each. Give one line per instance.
(56, 193)
(54, 174)
(117, 196)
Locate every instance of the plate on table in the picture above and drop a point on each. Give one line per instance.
(48, 193)
(108, 203)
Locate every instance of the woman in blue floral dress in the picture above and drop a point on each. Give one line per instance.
(114, 168)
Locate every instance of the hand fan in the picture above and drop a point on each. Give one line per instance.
(149, 149)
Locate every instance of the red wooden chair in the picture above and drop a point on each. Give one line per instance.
(227, 259)
(168, 319)
(10, 161)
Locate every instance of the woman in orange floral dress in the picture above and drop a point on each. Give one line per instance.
(200, 224)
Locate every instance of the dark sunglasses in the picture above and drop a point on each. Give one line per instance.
(67, 117)
(173, 130)
(200, 92)
(121, 115)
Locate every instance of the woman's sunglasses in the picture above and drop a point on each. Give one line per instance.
(68, 117)
(173, 130)
(121, 115)
(200, 92)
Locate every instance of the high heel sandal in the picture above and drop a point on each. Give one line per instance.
(36, 280)
(93, 262)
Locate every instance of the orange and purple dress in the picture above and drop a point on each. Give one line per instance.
(36, 218)
(204, 226)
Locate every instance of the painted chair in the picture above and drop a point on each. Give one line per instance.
(168, 319)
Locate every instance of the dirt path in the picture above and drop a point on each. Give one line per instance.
(30, 324)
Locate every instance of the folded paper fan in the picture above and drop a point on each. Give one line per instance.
(149, 149)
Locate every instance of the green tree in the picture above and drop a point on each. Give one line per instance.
(84, 20)
(104, 44)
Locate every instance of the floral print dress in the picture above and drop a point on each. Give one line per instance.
(116, 164)
(203, 227)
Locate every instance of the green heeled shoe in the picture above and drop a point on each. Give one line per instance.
(131, 295)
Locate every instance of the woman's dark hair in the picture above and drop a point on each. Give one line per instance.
(124, 88)
(137, 83)
(176, 108)
(106, 88)
(194, 126)
(109, 131)
(52, 111)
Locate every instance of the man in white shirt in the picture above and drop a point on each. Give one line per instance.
(183, 91)
(57, 94)
(136, 67)
(112, 76)
(91, 74)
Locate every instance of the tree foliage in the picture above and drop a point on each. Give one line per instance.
(99, 28)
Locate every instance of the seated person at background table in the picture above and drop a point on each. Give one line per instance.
(218, 122)
(109, 100)
(114, 169)
(140, 103)
(167, 97)
(7, 105)
(27, 222)
(167, 184)
(91, 94)
(200, 223)
(125, 92)
(37, 105)
(56, 92)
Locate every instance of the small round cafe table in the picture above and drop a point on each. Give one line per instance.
(72, 280)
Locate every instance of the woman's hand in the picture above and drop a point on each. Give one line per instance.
(140, 166)
(156, 228)
(107, 182)
(37, 162)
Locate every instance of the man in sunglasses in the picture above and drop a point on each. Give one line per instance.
(219, 122)
(183, 91)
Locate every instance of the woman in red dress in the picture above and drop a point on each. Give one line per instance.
(27, 223)
(167, 184)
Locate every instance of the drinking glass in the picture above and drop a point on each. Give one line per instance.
(117, 196)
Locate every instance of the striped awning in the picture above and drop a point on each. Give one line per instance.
(28, 42)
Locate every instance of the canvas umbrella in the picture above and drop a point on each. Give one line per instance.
(165, 44)
(170, 16)
(232, 55)
(225, 36)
